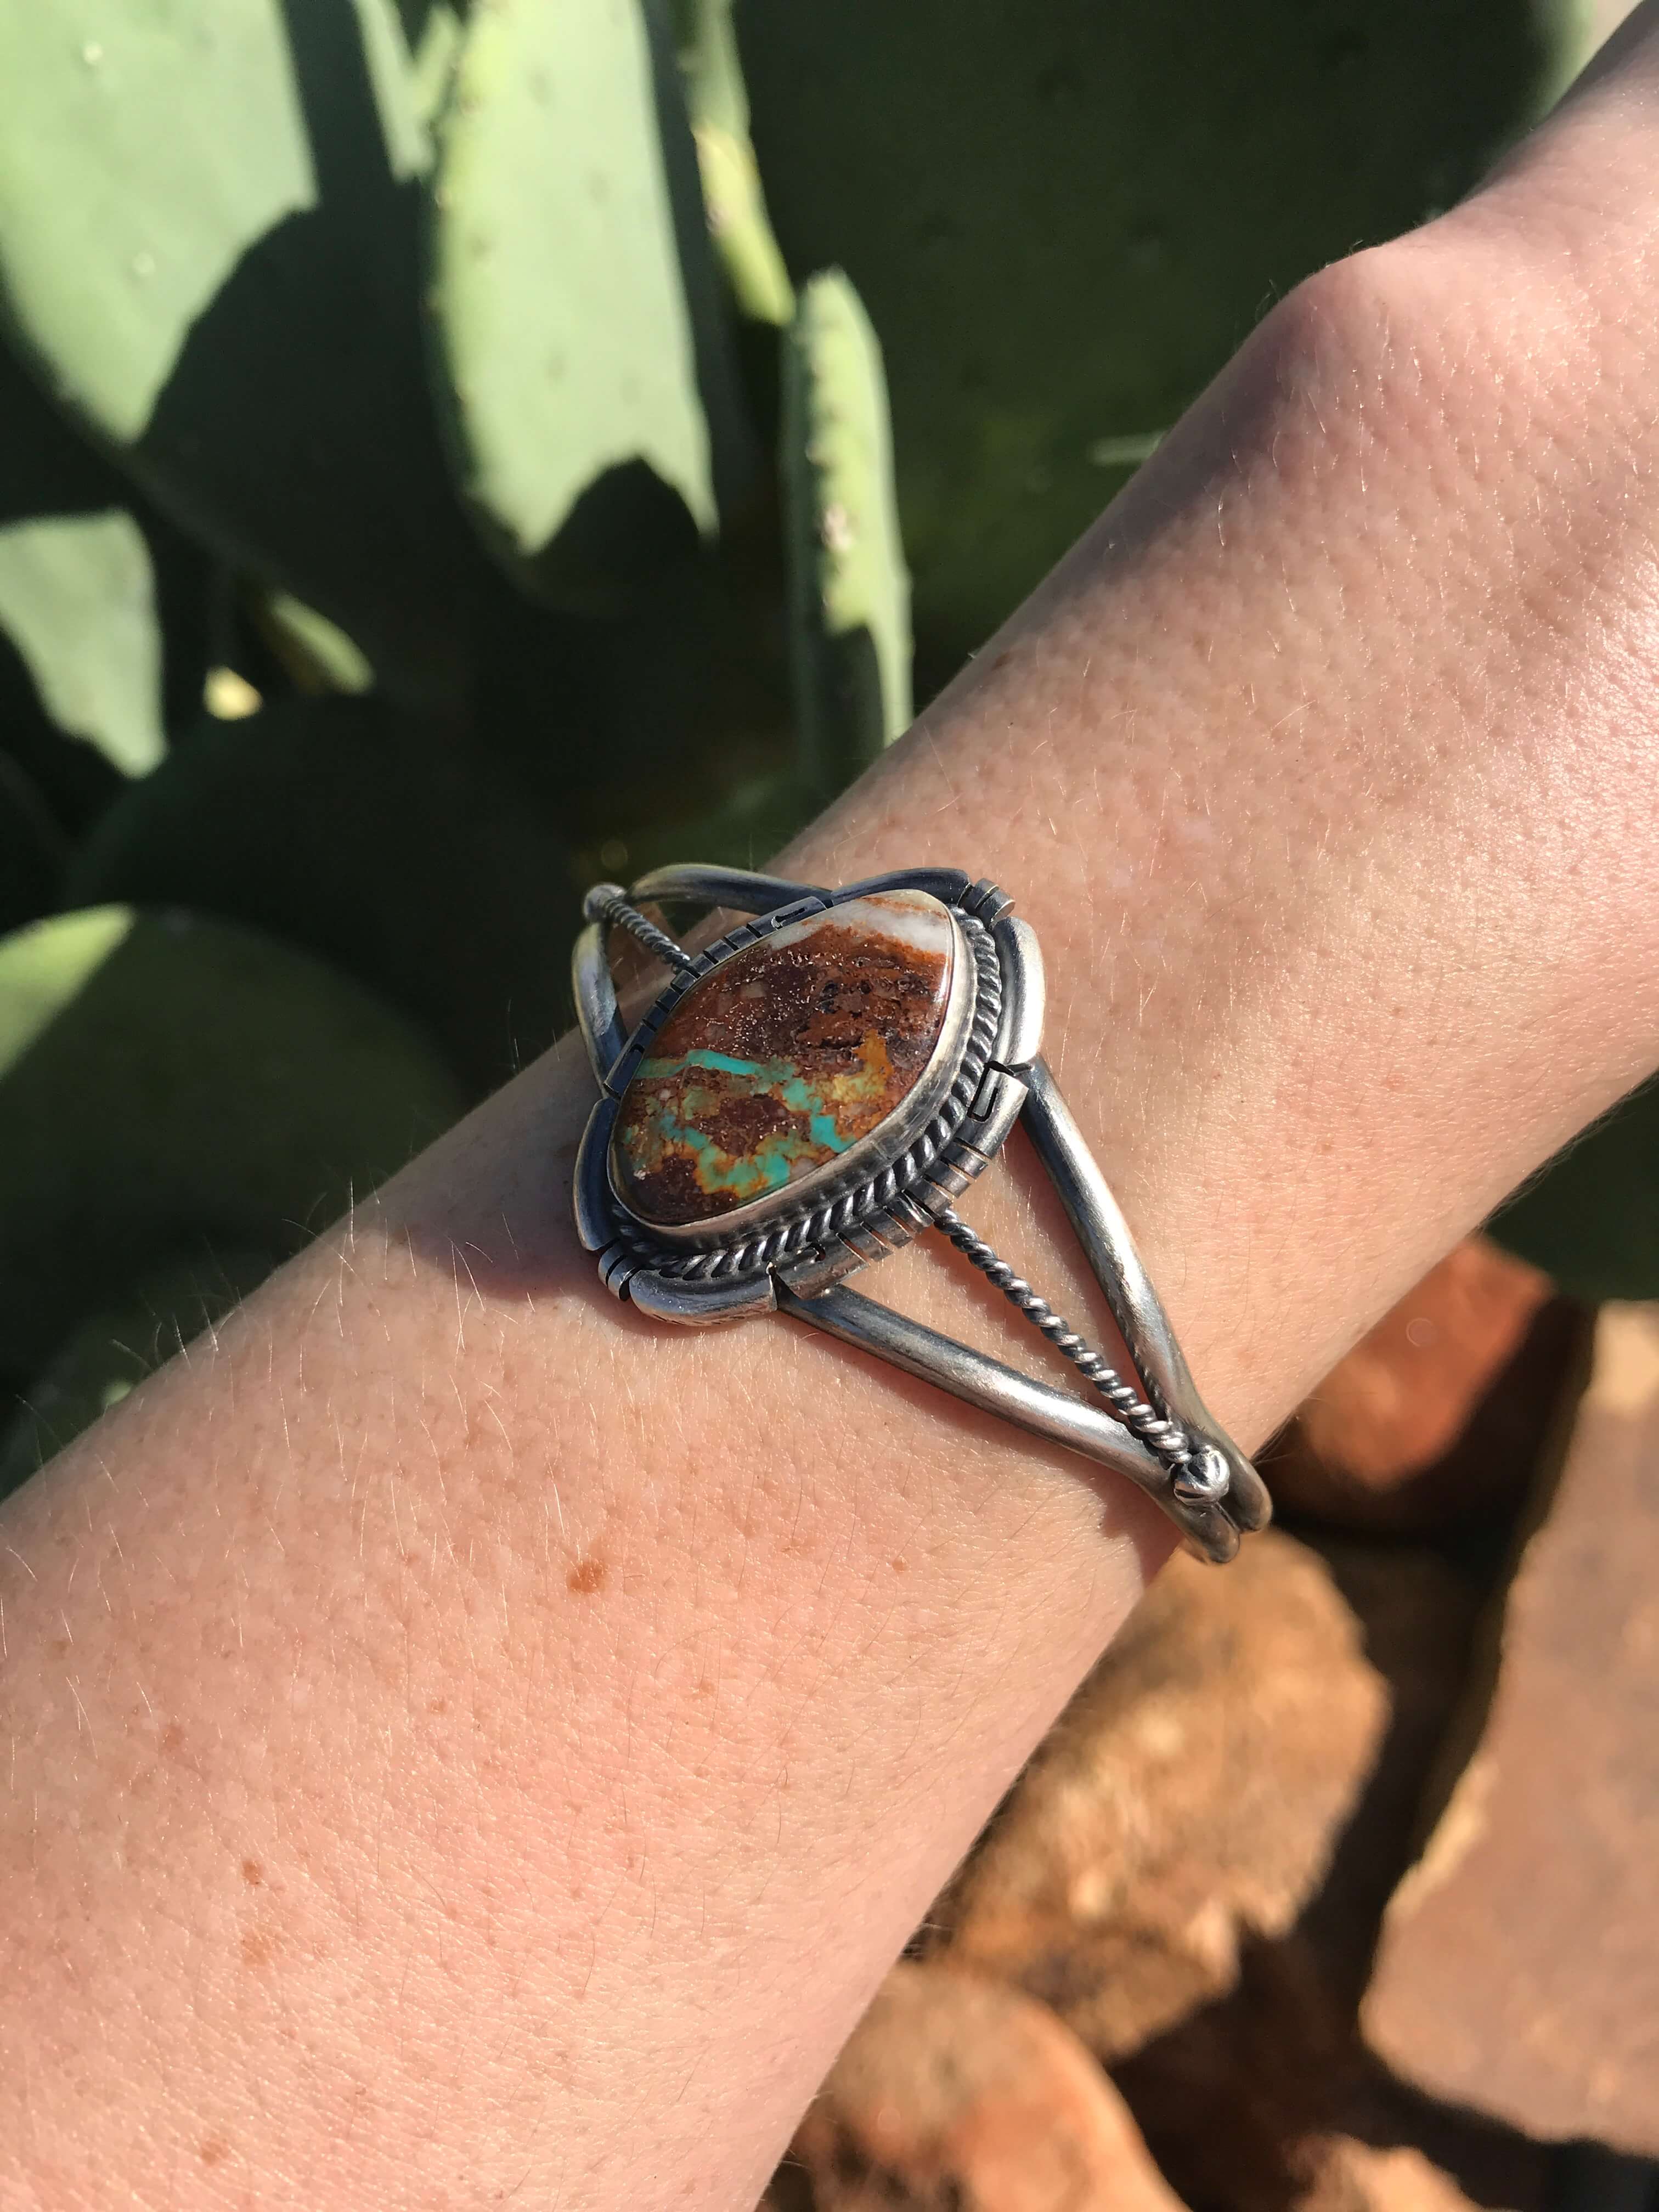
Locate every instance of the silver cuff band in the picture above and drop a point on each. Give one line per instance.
(848, 1200)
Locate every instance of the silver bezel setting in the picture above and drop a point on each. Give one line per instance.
(881, 1194)
(928, 1113)
(790, 1251)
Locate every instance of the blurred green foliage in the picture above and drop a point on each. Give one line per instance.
(446, 452)
(1591, 1218)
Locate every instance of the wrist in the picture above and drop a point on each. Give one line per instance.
(1292, 764)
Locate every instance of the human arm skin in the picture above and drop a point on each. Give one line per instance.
(465, 1744)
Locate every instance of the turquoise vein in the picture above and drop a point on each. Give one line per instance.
(770, 1166)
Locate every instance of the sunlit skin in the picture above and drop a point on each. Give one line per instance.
(465, 1744)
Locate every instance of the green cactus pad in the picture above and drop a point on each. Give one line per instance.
(1063, 217)
(736, 204)
(164, 1081)
(91, 580)
(357, 833)
(434, 37)
(849, 591)
(316, 653)
(140, 161)
(596, 411)
(210, 225)
(77, 599)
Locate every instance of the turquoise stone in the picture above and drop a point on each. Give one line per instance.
(783, 1057)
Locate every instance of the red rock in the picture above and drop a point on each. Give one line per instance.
(1279, 2075)
(1519, 1970)
(1355, 2177)
(1194, 1867)
(1188, 1804)
(1439, 1414)
(958, 2095)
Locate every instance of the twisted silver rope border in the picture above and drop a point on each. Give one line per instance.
(815, 1225)
(610, 903)
(1165, 1437)
(1198, 1473)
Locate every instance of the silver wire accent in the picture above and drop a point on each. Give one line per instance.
(1171, 1442)
(608, 902)
(1136, 1308)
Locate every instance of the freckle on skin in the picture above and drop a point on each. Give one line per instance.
(256, 1949)
(899, 1566)
(212, 2151)
(588, 1576)
(253, 1873)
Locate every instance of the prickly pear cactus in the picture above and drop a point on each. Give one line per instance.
(360, 836)
(425, 352)
(161, 156)
(164, 1081)
(849, 591)
(211, 222)
(581, 331)
(77, 600)
(1063, 216)
(719, 108)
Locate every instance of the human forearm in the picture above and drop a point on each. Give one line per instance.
(467, 1738)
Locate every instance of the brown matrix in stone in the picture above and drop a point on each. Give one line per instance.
(784, 1057)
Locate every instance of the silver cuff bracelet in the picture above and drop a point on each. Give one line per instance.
(817, 1088)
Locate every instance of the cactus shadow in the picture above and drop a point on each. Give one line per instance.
(296, 432)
